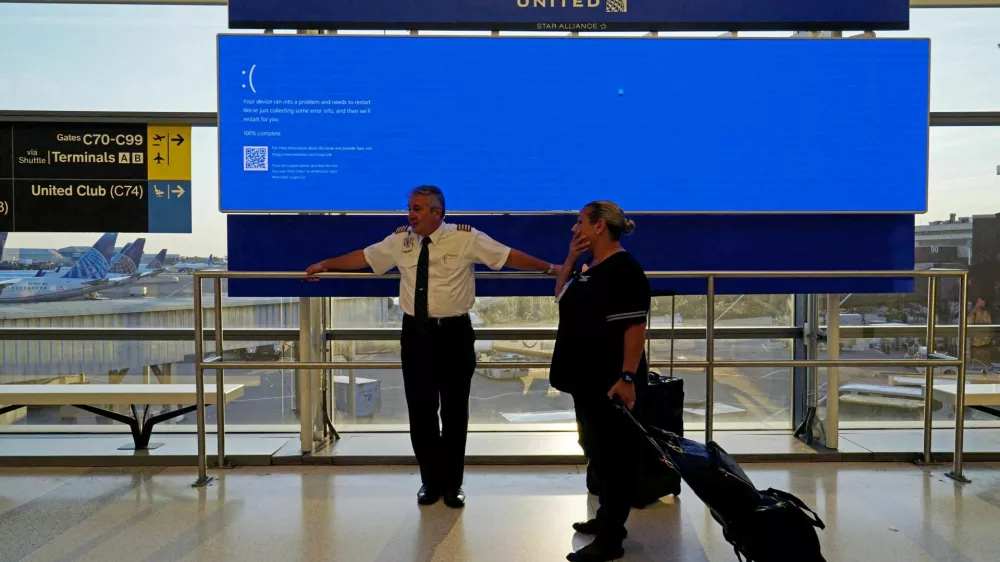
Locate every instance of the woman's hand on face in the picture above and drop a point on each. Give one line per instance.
(577, 246)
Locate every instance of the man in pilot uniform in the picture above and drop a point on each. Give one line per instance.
(436, 291)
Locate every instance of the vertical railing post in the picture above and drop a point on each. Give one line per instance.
(303, 376)
(929, 370)
(709, 357)
(832, 422)
(199, 381)
(220, 391)
(956, 473)
(317, 337)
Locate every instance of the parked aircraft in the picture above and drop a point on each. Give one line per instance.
(88, 275)
(210, 263)
(155, 266)
(126, 262)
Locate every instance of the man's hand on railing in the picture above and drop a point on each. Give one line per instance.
(312, 270)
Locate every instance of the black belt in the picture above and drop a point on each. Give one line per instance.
(461, 319)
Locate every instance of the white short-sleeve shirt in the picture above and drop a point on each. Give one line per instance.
(453, 253)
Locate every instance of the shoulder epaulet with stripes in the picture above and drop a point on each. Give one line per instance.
(463, 227)
(402, 229)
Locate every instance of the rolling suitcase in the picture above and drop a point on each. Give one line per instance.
(664, 407)
(761, 525)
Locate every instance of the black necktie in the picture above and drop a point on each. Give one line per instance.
(420, 297)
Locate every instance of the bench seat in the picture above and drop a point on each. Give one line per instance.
(83, 396)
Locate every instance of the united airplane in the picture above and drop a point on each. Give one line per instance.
(155, 266)
(210, 264)
(88, 275)
(126, 262)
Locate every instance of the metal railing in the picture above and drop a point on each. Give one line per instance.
(709, 364)
(499, 333)
(392, 334)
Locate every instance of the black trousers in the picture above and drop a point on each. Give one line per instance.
(437, 374)
(609, 441)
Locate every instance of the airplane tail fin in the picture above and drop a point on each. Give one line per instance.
(128, 261)
(41, 273)
(136, 251)
(95, 262)
(159, 261)
(118, 255)
(209, 260)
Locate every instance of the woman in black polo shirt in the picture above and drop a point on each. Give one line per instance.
(599, 353)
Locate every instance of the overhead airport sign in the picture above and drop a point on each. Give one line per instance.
(95, 177)
(573, 15)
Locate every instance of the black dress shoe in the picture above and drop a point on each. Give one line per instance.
(591, 527)
(427, 496)
(454, 498)
(598, 551)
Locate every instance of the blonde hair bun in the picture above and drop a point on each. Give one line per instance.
(612, 215)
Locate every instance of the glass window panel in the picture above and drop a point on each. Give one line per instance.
(964, 56)
(514, 398)
(960, 230)
(892, 397)
(109, 58)
(730, 311)
(508, 397)
(267, 401)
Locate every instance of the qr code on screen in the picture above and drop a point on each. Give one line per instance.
(254, 158)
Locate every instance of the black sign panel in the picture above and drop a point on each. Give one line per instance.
(73, 151)
(6, 178)
(89, 177)
(83, 205)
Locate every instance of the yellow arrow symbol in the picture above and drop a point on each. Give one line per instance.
(178, 192)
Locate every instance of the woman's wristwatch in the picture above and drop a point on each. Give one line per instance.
(628, 376)
(549, 270)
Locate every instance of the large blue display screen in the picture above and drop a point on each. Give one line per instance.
(572, 15)
(339, 123)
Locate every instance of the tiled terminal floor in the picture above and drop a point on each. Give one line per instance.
(874, 512)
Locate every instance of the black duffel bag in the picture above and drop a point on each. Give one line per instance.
(781, 529)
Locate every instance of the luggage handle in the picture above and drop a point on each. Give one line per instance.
(649, 325)
(785, 496)
(663, 456)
